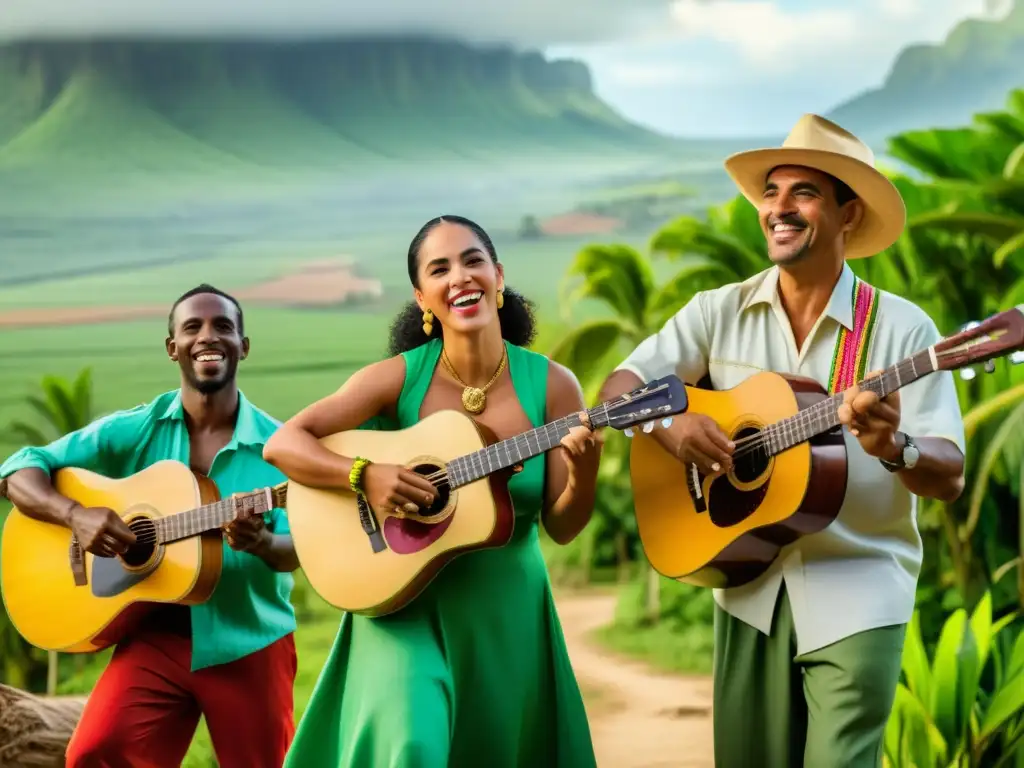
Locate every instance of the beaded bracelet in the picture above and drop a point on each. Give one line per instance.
(355, 476)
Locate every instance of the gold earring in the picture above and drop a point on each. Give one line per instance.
(428, 322)
(501, 299)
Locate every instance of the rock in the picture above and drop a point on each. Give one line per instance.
(35, 730)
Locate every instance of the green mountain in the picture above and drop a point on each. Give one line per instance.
(225, 106)
(943, 85)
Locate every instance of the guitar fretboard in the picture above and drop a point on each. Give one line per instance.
(515, 450)
(823, 416)
(192, 522)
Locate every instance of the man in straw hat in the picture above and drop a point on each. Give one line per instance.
(807, 656)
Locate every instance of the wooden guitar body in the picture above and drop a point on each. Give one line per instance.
(39, 592)
(378, 575)
(732, 531)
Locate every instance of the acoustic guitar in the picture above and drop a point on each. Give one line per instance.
(176, 516)
(789, 466)
(375, 561)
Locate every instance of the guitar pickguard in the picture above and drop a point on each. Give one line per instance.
(110, 578)
(406, 537)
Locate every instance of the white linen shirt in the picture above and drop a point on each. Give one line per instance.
(861, 572)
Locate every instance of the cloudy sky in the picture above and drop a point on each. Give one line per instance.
(689, 67)
(751, 67)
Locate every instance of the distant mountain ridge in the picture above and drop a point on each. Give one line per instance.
(207, 105)
(942, 86)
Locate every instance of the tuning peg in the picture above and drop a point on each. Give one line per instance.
(1016, 358)
(666, 422)
(967, 374)
(990, 366)
(648, 427)
(628, 432)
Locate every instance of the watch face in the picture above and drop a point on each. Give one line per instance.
(910, 456)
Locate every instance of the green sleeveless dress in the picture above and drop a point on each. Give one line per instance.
(474, 672)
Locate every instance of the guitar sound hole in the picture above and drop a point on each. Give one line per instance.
(443, 490)
(752, 463)
(145, 542)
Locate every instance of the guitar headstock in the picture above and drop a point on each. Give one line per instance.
(658, 399)
(981, 342)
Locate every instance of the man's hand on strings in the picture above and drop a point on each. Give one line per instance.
(872, 420)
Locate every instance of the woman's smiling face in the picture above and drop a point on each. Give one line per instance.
(458, 279)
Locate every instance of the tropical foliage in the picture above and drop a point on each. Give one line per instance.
(943, 714)
(961, 258)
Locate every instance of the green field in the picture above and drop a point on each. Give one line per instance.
(297, 355)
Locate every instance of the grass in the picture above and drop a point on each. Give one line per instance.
(688, 650)
(681, 641)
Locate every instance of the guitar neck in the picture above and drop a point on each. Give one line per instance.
(193, 522)
(515, 450)
(823, 416)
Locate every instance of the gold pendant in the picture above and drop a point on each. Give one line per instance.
(473, 399)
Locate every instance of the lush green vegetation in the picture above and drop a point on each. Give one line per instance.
(961, 258)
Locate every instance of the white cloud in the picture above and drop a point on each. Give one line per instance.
(788, 41)
(760, 30)
(528, 22)
(748, 67)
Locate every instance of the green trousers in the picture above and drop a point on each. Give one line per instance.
(824, 709)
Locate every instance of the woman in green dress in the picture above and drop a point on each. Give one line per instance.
(474, 672)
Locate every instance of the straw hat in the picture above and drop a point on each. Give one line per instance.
(818, 143)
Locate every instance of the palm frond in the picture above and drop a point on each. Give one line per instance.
(585, 348)
(617, 275)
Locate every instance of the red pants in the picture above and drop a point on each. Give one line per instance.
(144, 710)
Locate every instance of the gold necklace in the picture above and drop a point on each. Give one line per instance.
(474, 399)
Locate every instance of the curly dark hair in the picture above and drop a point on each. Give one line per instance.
(518, 325)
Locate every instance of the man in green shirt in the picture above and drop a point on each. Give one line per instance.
(231, 659)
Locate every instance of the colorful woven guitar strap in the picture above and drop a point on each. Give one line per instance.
(851, 355)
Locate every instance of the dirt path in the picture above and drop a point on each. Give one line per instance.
(639, 718)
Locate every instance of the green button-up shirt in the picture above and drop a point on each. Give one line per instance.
(251, 605)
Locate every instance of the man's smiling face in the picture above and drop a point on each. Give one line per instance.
(800, 214)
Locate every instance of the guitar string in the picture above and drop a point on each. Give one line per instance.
(152, 533)
(747, 445)
(438, 479)
(442, 474)
(803, 417)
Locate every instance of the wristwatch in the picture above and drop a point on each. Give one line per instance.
(908, 456)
